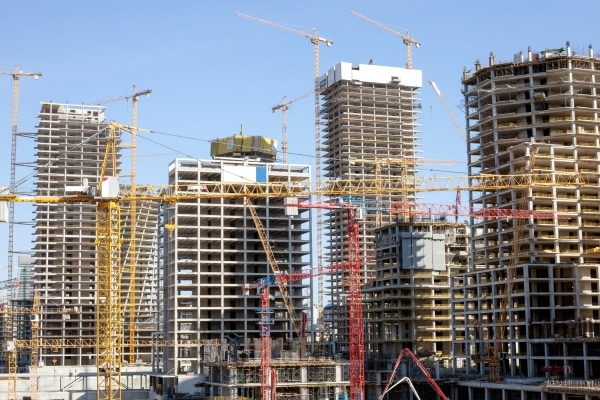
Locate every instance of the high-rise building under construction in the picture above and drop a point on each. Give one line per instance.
(70, 153)
(530, 307)
(370, 116)
(212, 248)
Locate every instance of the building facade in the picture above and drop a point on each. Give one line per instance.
(408, 303)
(70, 153)
(212, 250)
(370, 115)
(534, 285)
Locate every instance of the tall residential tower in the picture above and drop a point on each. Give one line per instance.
(211, 249)
(535, 284)
(70, 152)
(370, 115)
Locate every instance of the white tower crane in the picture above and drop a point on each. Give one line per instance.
(284, 106)
(16, 75)
(316, 40)
(408, 41)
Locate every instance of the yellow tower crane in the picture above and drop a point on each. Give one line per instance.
(132, 215)
(494, 350)
(16, 76)
(108, 196)
(284, 106)
(316, 40)
(408, 41)
(35, 336)
(9, 347)
(404, 163)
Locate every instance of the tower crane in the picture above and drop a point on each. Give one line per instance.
(284, 106)
(408, 41)
(134, 96)
(108, 196)
(16, 76)
(494, 350)
(9, 348)
(275, 269)
(132, 212)
(448, 110)
(262, 286)
(432, 382)
(13, 346)
(316, 40)
(11, 354)
(354, 206)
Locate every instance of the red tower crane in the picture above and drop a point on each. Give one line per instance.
(262, 285)
(355, 320)
(355, 314)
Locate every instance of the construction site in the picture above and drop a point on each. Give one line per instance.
(245, 276)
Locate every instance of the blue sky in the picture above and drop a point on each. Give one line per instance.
(212, 71)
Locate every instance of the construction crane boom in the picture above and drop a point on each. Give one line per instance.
(284, 106)
(313, 38)
(448, 110)
(132, 96)
(365, 187)
(108, 195)
(274, 267)
(316, 40)
(408, 41)
(296, 276)
(433, 209)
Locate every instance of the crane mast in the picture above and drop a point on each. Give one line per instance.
(279, 279)
(408, 41)
(132, 259)
(355, 317)
(284, 106)
(16, 76)
(133, 223)
(506, 300)
(491, 352)
(316, 40)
